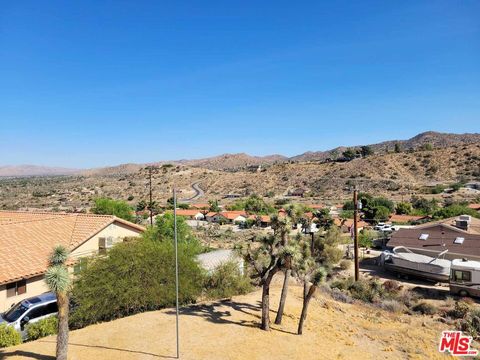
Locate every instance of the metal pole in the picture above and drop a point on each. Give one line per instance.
(150, 205)
(176, 265)
(355, 233)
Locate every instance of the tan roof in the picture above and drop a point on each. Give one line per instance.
(263, 218)
(27, 238)
(474, 227)
(200, 206)
(405, 218)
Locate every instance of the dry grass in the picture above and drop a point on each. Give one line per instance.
(229, 330)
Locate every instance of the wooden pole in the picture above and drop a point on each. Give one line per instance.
(355, 234)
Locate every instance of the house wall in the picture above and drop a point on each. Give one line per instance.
(37, 285)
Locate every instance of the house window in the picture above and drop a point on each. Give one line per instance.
(79, 266)
(17, 288)
(423, 237)
(461, 276)
(459, 240)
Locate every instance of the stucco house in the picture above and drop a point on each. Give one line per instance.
(190, 214)
(27, 239)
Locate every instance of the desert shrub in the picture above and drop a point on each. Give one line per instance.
(9, 336)
(425, 308)
(136, 276)
(342, 284)
(225, 281)
(392, 286)
(407, 297)
(460, 310)
(345, 264)
(471, 324)
(42, 328)
(367, 291)
(392, 305)
(341, 296)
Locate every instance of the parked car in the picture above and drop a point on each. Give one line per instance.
(30, 311)
(379, 226)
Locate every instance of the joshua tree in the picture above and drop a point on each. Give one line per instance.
(266, 260)
(317, 277)
(58, 280)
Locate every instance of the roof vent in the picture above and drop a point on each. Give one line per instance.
(464, 260)
(459, 240)
(463, 222)
(423, 237)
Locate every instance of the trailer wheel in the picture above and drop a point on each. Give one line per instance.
(463, 293)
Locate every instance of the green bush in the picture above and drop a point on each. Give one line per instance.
(136, 276)
(225, 281)
(425, 308)
(9, 336)
(460, 311)
(42, 328)
(471, 324)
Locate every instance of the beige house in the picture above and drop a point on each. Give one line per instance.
(27, 238)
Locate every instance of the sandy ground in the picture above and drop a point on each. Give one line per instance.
(229, 330)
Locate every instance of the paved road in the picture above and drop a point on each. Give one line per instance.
(198, 192)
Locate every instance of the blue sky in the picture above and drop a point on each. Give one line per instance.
(93, 83)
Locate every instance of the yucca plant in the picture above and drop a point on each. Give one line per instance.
(58, 280)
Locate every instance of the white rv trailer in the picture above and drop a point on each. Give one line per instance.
(465, 277)
(403, 260)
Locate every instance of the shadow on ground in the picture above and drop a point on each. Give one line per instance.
(212, 312)
(26, 354)
(49, 357)
(216, 313)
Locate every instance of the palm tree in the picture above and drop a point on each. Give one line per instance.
(58, 280)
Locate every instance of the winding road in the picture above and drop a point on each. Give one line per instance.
(198, 192)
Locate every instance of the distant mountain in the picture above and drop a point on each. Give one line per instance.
(436, 139)
(242, 161)
(33, 170)
(233, 161)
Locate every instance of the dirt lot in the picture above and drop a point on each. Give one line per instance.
(229, 330)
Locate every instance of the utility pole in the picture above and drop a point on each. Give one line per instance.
(355, 233)
(150, 203)
(176, 265)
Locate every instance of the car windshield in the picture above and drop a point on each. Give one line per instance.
(15, 312)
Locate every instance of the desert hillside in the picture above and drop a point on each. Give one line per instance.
(333, 330)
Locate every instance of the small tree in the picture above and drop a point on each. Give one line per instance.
(58, 281)
(398, 149)
(366, 151)
(349, 154)
(107, 206)
(403, 208)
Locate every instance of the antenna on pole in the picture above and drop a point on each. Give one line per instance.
(176, 266)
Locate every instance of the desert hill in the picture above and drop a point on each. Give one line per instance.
(243, 161)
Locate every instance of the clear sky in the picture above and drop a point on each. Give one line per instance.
(93, 83)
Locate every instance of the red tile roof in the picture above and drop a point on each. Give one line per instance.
(187, 212)
(27, 238)
(474, 206)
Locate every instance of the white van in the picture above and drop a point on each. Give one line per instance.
(30, 311)
(465, 277)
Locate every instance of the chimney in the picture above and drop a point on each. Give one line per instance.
(463, 222)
